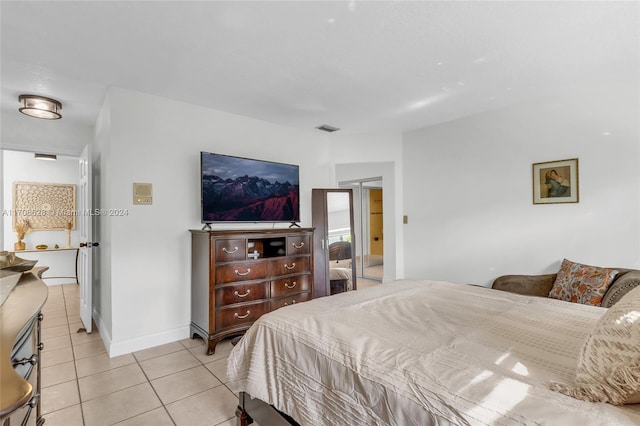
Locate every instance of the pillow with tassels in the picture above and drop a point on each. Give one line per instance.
(609, 364)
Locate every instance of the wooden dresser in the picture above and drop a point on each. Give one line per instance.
(20, 348)
(237, 276)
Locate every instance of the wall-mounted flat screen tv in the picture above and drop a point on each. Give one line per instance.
(236, 189)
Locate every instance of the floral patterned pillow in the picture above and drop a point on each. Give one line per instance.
(582, 283)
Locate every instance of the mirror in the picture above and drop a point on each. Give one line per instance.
(340, 239)
(334, 245)
(368, 219)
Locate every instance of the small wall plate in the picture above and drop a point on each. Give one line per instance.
(142, 193)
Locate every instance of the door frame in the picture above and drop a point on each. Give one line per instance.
(85, 225)
(361, 218)
(59, 154)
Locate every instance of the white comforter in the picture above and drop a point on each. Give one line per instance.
(421, 353)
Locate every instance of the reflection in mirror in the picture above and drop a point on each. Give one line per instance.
(340, 241)
(338, 216)
(368, 230)
(340, 250)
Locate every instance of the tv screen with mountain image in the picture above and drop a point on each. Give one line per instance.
(236, 189)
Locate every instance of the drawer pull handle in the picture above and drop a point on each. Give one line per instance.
(298, 246)
(40, 316)
(293, 302)
(290, 286)
(242, 295)
(224, 249)
(293, 265)
(236, 316)
(242, 274)
(34, 400)
(33, 360)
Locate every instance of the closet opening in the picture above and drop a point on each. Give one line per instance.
(368, 220)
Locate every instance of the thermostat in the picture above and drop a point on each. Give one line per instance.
(142, 193)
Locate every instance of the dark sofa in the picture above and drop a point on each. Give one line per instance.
(540, 285)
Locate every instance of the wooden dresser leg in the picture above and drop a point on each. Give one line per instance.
(211, 346)
(242, 418)
(212, 342)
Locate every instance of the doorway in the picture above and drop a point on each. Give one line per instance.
(23, 167)
(368, 222)
(56, 246)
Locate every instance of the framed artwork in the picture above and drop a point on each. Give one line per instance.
(45, 206)
(555, 182)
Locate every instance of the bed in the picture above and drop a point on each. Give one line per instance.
(340, 276)
(417, 352)
(340, 267)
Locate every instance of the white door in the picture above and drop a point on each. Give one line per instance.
(84, 224)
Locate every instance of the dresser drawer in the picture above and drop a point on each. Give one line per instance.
(291, 285)
(24, 345)
(231, 249)
(238, 293)
(239, 315)
(294, 265)
(298, 244)
(24, 354)
(290, 300)
(241, 272)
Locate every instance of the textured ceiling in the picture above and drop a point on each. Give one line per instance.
(361, 66)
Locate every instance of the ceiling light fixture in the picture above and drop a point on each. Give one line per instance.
(48, 157)
(40, 107)
(327, 128)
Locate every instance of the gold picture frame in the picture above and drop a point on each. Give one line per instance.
(556, 182)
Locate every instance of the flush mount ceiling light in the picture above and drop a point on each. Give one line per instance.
(48, 157)
(327, 128)
(40, 107)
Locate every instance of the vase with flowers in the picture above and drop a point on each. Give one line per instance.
(22, 228)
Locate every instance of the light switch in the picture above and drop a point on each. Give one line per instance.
(142, 193)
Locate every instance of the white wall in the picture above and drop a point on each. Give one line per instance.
(23, 167)
(46, 136)
(157, 140)
(468, 188)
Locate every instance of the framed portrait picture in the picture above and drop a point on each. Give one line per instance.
(555, 182)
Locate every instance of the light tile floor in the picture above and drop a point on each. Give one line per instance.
(173, 384)
(363, 283)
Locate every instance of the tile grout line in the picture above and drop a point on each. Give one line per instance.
(153, 388)
(201, 363)
(73, 353)
(64, 301)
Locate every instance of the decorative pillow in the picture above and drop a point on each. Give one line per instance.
(582, 283)
(609, 364)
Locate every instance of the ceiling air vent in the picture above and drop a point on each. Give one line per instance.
(327, 128)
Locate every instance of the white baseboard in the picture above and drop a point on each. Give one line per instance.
(146, 342)
(106, 337)
(50, 282)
